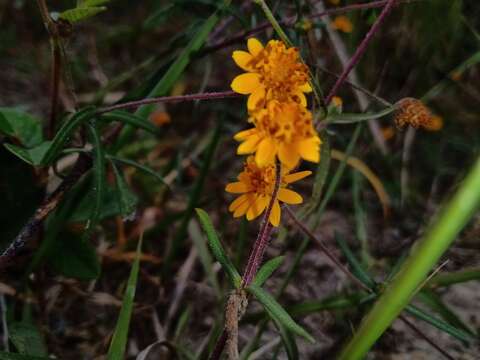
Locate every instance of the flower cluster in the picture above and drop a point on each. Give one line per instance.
(413, 112)
(276, 81)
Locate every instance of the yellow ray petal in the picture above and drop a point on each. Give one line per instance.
(243, 135)
(309, 149)
(289, 196)
(290, 178)
(242, 59)
(275, 214)
(237, 188)
(241, 209)
(254, 46)
(249, 145)
(257, 207)
(237, 202)
(265, 152)
(288, 156)
(306, 88)
(302, 98)
(256, 99)
(246, 83)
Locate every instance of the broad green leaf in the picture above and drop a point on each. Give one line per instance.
(130, 119)
(83, 209)
(439, 324)
(127, 200)
(33, 156)
(346, 118)
(267, 270)
(81, 13)
(21, 125)
(99, 181)
(357, 268)
(137, 165)
(217, 248)
(118, 345)
(277, 312)
(75, 258)
(65, 132)
(27, 339)
(14, 356)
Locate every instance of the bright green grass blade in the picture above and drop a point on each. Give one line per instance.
(120, 336)
(423, 258)
(277, 311)
(267, 270)
(217, 248)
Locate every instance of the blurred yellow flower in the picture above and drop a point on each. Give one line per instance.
(273, 72)
(281, 129)
(435, 124)
(256, 185)
(413, 112)
(342, 23)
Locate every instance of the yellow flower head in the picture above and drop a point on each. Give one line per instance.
(274, 72)
(284, 130)
(256, 185)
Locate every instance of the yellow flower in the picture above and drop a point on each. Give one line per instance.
(273, 72)
(342, 23)
(256, 185)
(281, 129)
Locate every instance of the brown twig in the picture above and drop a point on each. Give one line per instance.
(169, 99)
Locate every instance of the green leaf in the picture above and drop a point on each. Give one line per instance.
(81, 13)
(267, 270)
(75, 258)
(447, 279)
(65, 132)
(277, 312)
(137, 165)
(120, 336)
(439, 324)
(130, 119)
(288, 339)
(217, 248)
(435, 303)
(33, 156)
(127, 200)
(13, 356)
(89, 3)
(110, 206)
(20, 125)
(335, 302)
(346, 118)
(27, 339)
(98, 182)
(357, 268)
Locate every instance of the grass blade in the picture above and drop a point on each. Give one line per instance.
(120, 336)
(422, 259)
(130, 119)
(217, 248)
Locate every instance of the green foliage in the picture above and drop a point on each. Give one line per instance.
(267, 269)
(127, 200)
(120, 336)
(27, 339)
(276, 311)
(13, 356)
(84, 10)
(217, 248)
(21, 126)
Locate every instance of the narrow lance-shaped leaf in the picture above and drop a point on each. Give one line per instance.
(120, 336)
(127, 200)
(217, 248)
(267, 270)
(276, 310)
(139, 166)
(130, 119)
(81, 13)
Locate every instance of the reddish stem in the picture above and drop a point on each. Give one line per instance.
(360, 50)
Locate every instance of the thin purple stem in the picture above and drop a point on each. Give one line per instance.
(169, 99)
(360, 50)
